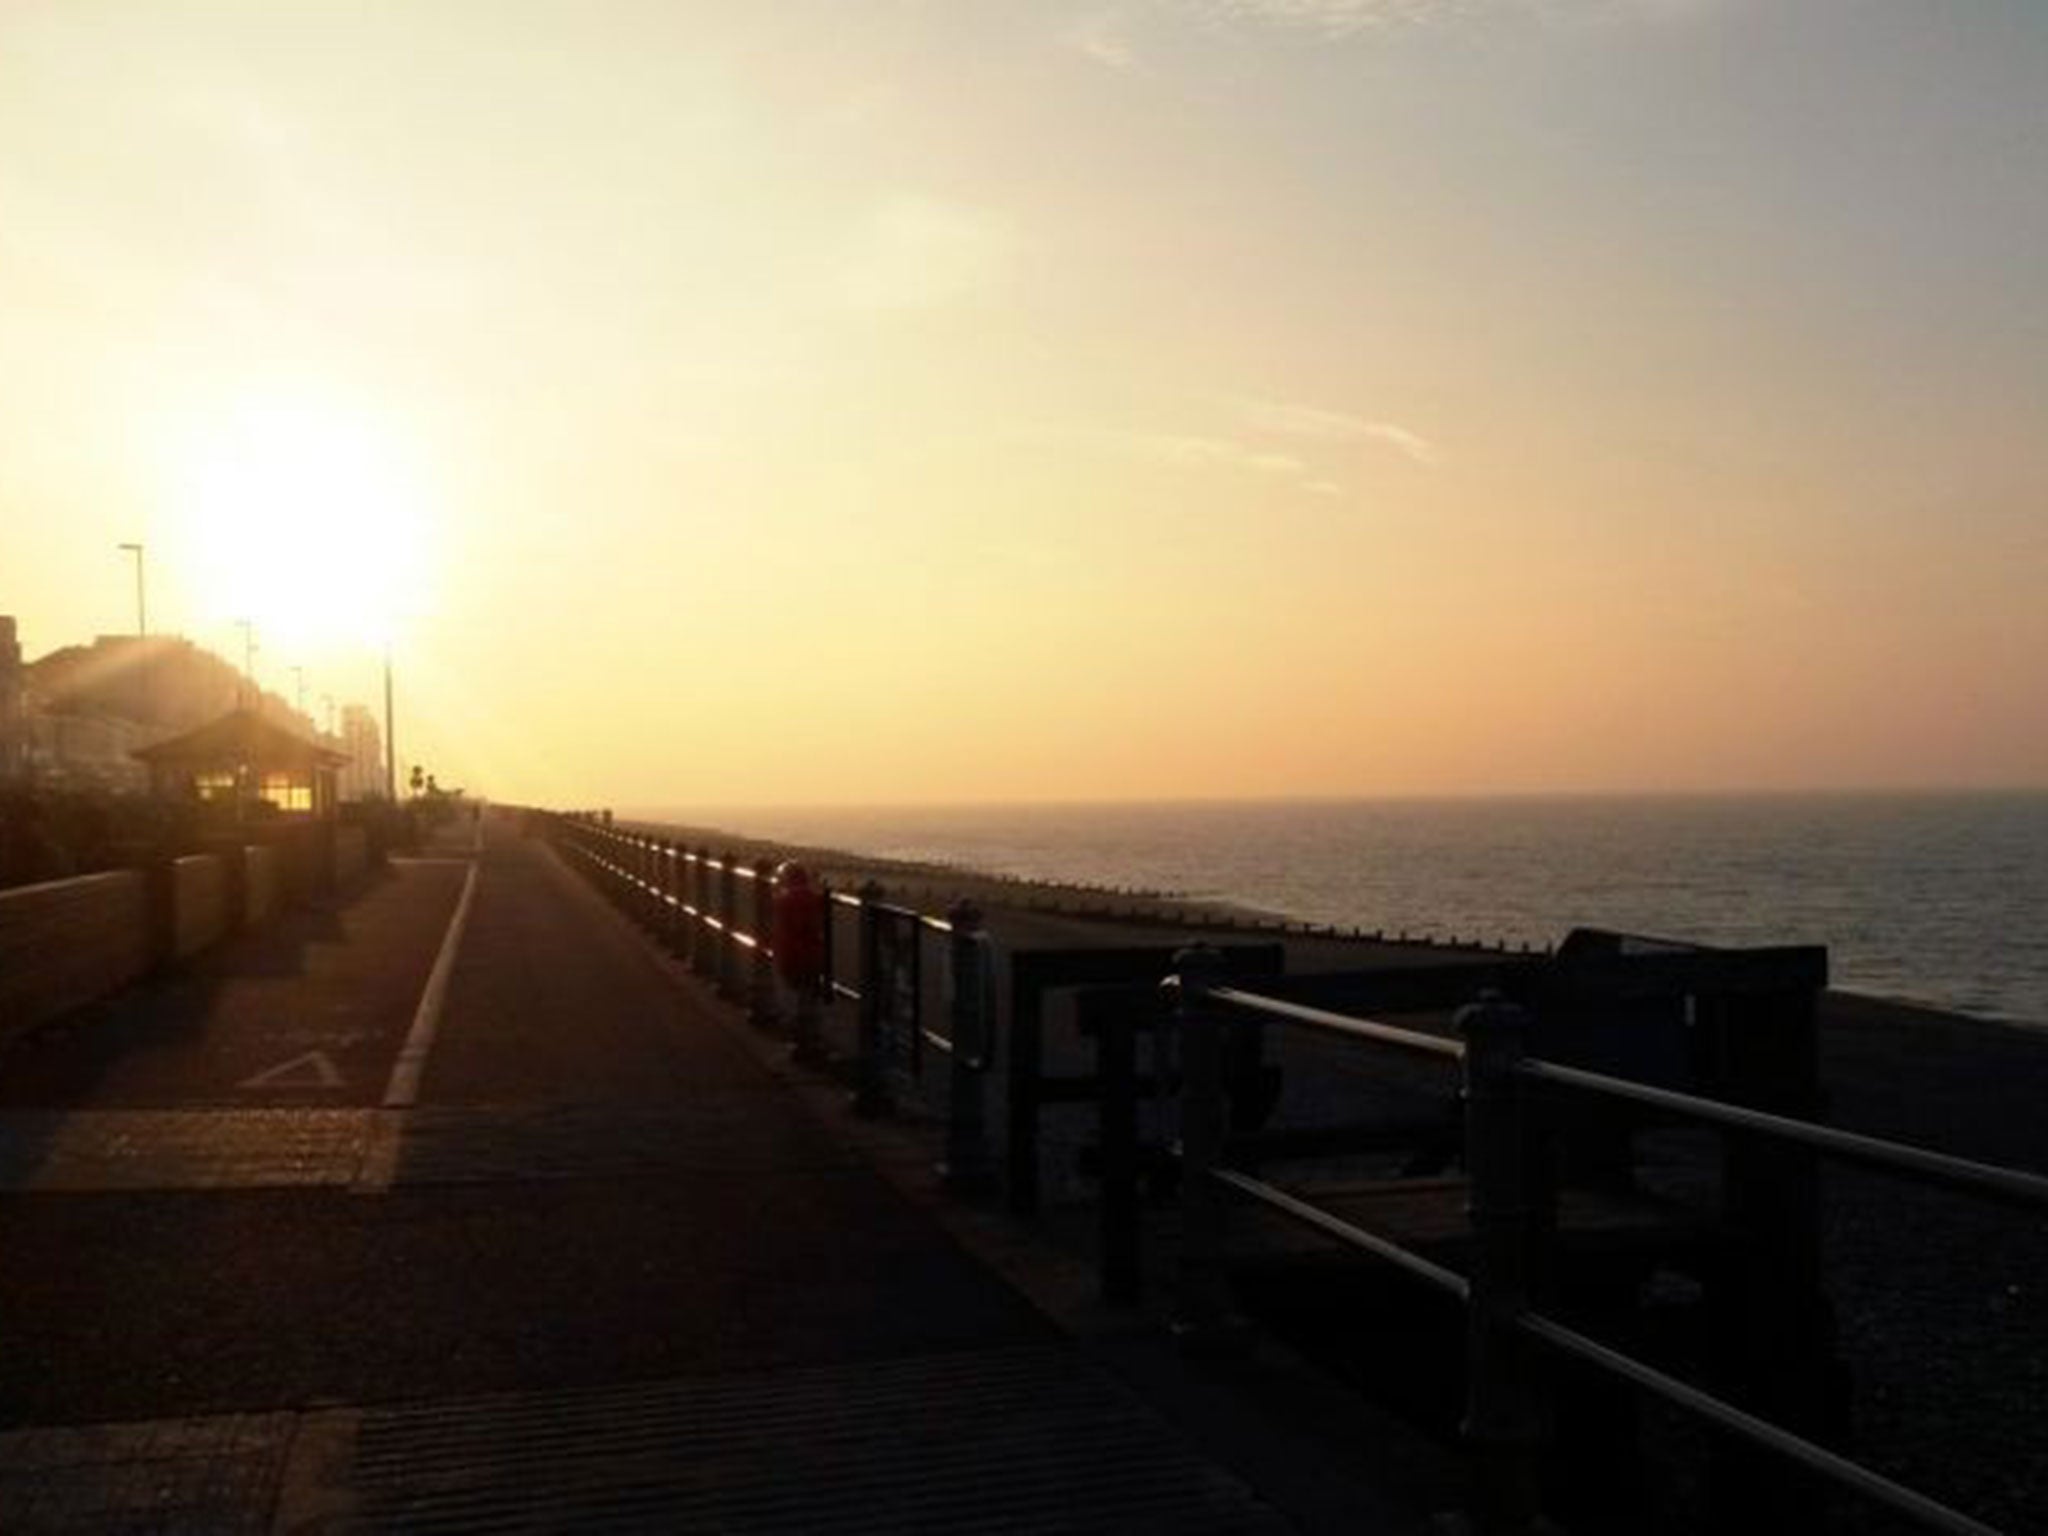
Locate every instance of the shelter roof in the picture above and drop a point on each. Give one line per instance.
(241, 736)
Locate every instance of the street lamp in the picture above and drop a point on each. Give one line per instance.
(390, 734)
(248, 628)
(141, 610)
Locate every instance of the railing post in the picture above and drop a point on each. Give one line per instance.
(761, 1010)
(704, 951)
(871, 1090)
(1201, 1303)
(1111, 1020)
(677, 934)
(1026, 1052)
(729, 917)
(1772, 1329)
(1503, 1408)
(160, 906)
(806, 1041)
(969, 1169)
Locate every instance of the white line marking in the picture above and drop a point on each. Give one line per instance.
(404, 1088)
(312, 1070)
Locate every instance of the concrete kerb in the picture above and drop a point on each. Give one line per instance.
(1330, 1460)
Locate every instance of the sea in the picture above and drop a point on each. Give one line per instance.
(1936, 898)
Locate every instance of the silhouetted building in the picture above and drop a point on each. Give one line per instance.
(13, 705)
(76, 716)
(363, 778)
(162, 683)
(242, 760)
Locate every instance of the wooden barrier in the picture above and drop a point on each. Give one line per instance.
(260, 884)
(199, 903)
(65, 942)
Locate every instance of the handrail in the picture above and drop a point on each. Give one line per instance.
(1355, 1236)
(644, 867)
(1762, 1432)
(1891, 1156)
(1917, 1163)
(1570, 1342)
(1339, 1024)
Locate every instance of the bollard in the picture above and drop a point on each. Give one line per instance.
(871, 1091)
(704, 952)
(969, 1169)
(729, 924)
(1202, 1319)
(761, 1010)
(1503, 1408)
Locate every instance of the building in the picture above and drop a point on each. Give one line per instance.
(244, 761)
(162, 683)
(13, 705)
(363, 778)
(76, 717)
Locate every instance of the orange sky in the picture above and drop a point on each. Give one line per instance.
(731, 403)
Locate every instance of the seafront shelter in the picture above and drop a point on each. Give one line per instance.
(243, 760)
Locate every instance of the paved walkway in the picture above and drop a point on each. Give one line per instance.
(286, 1246)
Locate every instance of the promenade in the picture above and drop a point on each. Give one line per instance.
(449, 1206)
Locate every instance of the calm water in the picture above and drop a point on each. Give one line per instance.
(1940, 898)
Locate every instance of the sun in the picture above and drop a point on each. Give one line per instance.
(303, 517)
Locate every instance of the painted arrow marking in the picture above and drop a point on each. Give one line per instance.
(312, 1070)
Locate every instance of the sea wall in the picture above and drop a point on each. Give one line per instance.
(65, 942)
(260, 888)
(199, 903)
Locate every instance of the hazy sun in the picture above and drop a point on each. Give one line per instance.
(304, 518)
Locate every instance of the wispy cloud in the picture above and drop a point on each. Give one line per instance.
(1103, 36)
(1190, 451)
(1184, 448)
(1285, 418)
(1332, 18)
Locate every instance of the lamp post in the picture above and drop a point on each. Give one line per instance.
(390, 734)
(299, 687)
(141, 608)
(146, 671)
(248, 629)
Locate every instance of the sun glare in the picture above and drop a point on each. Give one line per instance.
(303, 518)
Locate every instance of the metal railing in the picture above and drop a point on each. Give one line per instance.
(1509, 1205)
(691, 900)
